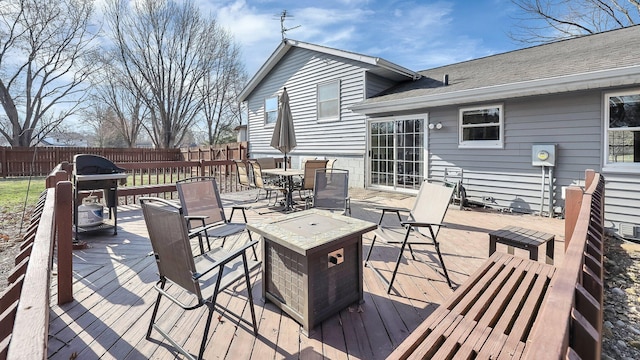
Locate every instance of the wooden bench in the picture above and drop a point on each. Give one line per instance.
(520, 308)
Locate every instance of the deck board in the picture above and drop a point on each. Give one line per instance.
(114, 296)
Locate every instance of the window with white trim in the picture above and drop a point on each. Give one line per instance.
(622, 129)
(270, 110)
(328, 95)
(481, 126)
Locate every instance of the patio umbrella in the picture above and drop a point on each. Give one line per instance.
(284, 136)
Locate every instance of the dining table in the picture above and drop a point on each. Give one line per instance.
(288, 174)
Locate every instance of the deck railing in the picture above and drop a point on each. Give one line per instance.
(570, 322)
(569, 325)
(24, 304)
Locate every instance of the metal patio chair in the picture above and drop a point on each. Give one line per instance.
(428, 212)
(331, 191)
(260, 183)
(242, 172)
(308, 180)
(202, 208)
(187, 281)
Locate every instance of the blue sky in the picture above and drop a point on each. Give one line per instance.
(415, 34)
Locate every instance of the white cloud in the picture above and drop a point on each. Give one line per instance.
(414, 34)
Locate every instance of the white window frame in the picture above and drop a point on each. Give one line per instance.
(620, 166)
(483, 144)
(277, 98)
(335, 117)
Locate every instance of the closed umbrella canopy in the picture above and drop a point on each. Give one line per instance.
(284, 135)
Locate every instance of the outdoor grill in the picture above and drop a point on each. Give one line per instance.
(96, 173)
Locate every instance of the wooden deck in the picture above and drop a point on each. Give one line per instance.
(113, 294)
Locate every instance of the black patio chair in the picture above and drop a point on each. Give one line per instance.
(200, 278)
(331, 191)
(202, 207)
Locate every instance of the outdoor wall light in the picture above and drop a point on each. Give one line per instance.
(437, 126)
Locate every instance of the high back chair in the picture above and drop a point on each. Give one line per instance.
(242, 172)
(331, 190)
(308, 179)
(261, 184)
(199, 279)
(421, 227)
(202, 208)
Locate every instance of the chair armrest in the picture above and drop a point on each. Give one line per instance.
(421, 224)
(195, 217)
(395, 210)
(241, 208)
(201, 218)
(227, 258)
(391, 208)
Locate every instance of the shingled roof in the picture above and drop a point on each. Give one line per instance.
(601, 60)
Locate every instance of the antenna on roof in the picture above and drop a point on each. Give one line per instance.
(283, 30)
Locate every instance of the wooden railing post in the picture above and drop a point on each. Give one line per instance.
(572, 206)
(63, 214)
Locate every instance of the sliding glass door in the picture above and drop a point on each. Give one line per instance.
(397, 148)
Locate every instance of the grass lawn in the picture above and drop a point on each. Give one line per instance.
(14, 190)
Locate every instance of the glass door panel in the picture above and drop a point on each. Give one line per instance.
(397, 153)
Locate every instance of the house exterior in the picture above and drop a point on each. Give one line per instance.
(342, 79)
(578, 99)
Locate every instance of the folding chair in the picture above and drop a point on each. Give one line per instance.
(310, 167)
(201, 278)
(428, 211)
(202, 207)
(331, 190)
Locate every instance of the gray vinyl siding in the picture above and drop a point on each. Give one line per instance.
(506, 176)
(300, 71)
(377, 84)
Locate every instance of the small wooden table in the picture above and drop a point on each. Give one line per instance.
(312, 263)
(522, 238)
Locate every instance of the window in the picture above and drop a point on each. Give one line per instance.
(271, 110)
(622, 124)
(329, 101)
(481, 127)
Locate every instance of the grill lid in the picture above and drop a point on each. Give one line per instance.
(87, 164)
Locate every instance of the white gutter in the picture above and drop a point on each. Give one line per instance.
(592, 80)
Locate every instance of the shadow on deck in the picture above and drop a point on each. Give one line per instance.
(113, 295)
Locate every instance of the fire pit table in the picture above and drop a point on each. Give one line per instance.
(312, 263)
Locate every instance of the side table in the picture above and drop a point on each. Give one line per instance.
(522, 238)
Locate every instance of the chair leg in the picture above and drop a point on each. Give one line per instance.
(444, 268)
(436, 244)
(255, 256)
(395, 269)
(249, 292)
(155, 313)
(366, 261)
(203, 344)
(200, 243)
(411, 251)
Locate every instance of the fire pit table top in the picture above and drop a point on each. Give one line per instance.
(307, 231)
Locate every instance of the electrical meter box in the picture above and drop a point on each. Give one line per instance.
(543, 154)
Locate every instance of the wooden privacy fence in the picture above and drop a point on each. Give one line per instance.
(38, 161)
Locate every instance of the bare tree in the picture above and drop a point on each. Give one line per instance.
(549, 20)
(42, 72)
(167, 49)
(114, 90)
(103, 122)
(220, 89)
